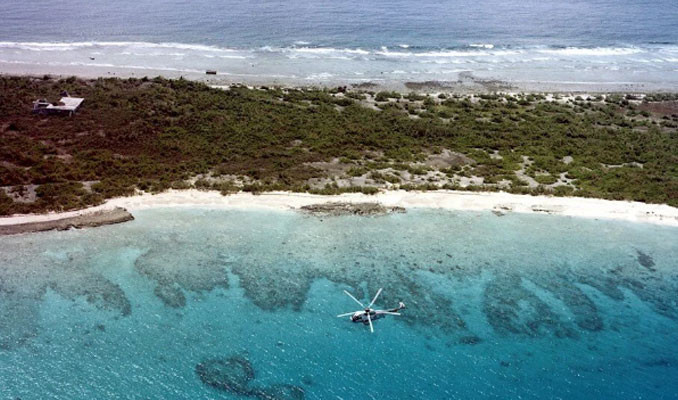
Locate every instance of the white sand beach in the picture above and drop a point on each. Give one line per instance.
(450, 200)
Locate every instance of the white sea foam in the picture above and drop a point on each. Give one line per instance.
(446, 53)
(227, 56)
(475, 50)
(234, 57)
(64, 46)
(320, 76)
(156, 54)
(397, 62)
(86, 64)
(101, 65)
(320, 50)
(482, 45)
(594, 51)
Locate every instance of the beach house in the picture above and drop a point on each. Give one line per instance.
(67, 105)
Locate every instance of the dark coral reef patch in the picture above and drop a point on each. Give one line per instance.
(70, 276)
(177, 268)
(231, 374)
(645, 260)
(234, 375)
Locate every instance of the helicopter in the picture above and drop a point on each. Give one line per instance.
(367, 314)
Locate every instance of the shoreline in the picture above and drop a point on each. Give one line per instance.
(498, 202)
(473, 83)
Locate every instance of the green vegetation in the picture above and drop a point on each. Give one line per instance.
(357, 171)
(385, 96)
(661, 97)
(156, 134)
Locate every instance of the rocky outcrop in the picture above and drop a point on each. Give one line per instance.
(337, 209)
(90, 220)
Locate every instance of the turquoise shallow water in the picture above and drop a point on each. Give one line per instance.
(214, 304)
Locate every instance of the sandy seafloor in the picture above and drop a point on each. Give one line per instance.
(514, 306)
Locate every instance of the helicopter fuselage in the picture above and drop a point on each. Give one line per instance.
(367, 314)
(361, 316)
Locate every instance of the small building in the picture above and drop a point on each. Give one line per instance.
(67, 105)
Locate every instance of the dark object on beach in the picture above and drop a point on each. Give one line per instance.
(211, 72)
(92, 58)
(91, 220)
(336, 209)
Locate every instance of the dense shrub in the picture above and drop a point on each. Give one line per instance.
(154, 134)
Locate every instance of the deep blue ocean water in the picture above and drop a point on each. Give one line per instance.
(585, 42)
(220, 304)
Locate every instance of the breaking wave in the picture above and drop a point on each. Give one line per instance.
(304, 48)
(595, 51)
(65, 46)
(398, 61)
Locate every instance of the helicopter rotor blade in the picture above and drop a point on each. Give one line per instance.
(354, 299)
(375, 298)
(370, 321)
(389, 313)
(346, 314)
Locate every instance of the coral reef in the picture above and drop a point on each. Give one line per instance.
(645, 260)
(179, 267)
(511, 308)
(70, 276)
(234, 375)
(528, 296)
